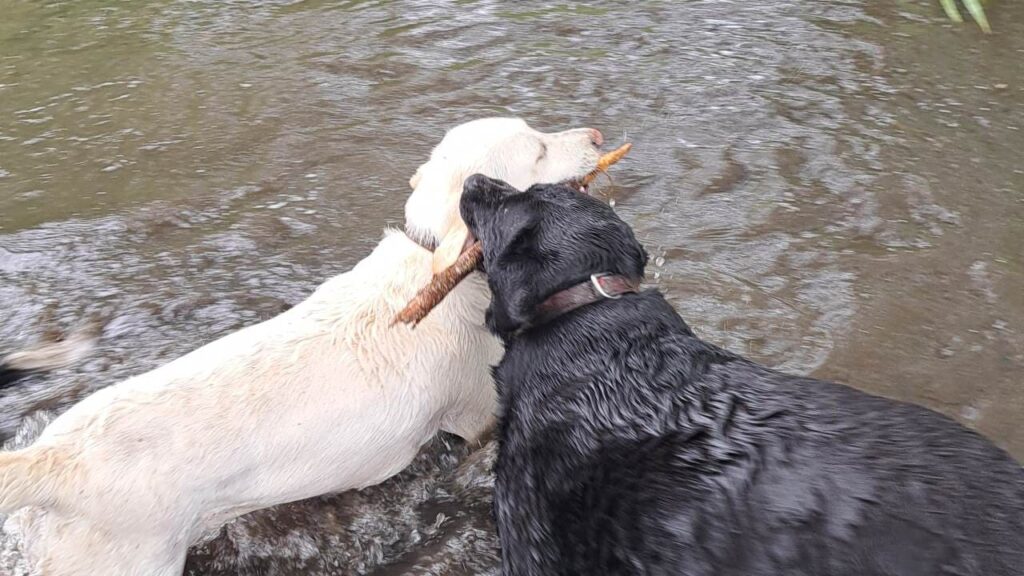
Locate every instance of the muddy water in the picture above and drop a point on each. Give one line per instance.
(833, 188)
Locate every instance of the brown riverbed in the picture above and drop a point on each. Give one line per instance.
(833, 188)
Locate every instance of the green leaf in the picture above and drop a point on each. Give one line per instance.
(973, 7)
(978, 13)
(951, 11)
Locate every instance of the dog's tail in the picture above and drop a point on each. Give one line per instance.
(48, 355)
(29, 477)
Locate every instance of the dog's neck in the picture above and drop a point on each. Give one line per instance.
(599, 287)
(599, 327)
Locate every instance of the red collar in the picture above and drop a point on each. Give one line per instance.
(599, 287)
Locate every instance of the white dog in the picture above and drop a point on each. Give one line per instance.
(323, 398)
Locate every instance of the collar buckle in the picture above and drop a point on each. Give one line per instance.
(595, 280)
(582, 294)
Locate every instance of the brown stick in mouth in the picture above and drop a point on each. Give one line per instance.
(440, 285)
(445, 281)
(605, 162)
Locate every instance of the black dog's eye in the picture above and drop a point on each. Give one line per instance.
(543, 151)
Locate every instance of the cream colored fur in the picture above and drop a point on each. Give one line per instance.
(325, 397)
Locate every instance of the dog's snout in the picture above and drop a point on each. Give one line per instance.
(476, 182)
(596, 137)
(479, 188)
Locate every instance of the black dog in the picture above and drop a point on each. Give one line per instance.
(630, 446)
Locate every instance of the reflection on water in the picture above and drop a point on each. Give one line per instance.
(831, 188)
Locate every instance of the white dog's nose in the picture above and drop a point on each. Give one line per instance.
(596, 137)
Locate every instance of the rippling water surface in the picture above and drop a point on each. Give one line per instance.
(833, 188)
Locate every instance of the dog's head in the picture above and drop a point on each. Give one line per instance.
(542, 241)
(505, 148)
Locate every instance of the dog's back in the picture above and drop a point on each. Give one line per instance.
(657, 453)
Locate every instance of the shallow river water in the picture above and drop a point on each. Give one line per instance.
(833, 188)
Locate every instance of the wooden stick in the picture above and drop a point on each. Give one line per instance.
(440, 285)
(445, 281)
(605, 162)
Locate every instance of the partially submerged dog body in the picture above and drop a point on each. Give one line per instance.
(320, 399)
(630, 446)
(323, 398)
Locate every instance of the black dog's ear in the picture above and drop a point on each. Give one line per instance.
(509, 244)
(506, 222)
(517, 224)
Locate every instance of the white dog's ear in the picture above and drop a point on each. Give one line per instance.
(451, 246)
(415, 180)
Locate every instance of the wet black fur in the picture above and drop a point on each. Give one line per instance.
(630, 446)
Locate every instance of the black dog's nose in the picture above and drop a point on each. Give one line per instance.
(480, 186)
(476, 182)
(479, 190)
